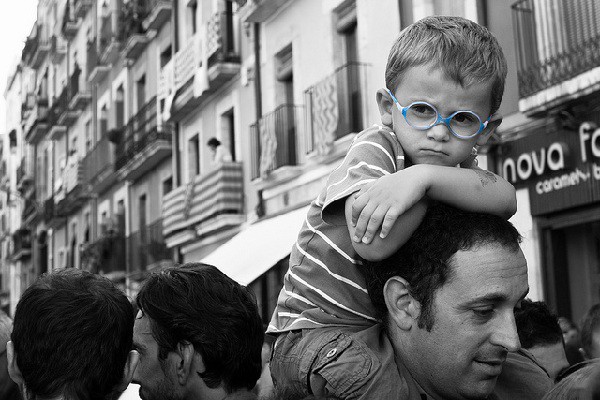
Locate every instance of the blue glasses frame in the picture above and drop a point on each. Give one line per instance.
(439, 119)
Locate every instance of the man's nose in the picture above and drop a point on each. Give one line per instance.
(439, 132)
(505, 333)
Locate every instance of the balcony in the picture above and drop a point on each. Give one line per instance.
(36, 124)
(146, 249)
(51, 216)
(558, 52)
(21, 244)
(223, 58)
(106, 255)
(79, 96)
(261, 10)
(132, 30)
(81, 7)
(273, 140)
(212, 202)
(146, 143)
(96, 71)
(335, 107)
(58, 49)
(99, 166)
(40, 51)
(31, 210)
(24, 178)
(59, 106)
(71, 192)
(110, 42)
(159, 14)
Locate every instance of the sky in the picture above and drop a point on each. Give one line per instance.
(16, 20)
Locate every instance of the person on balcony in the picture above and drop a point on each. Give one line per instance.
(220, 152)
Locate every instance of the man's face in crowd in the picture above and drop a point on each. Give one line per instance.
(474, 325)
(156, 377)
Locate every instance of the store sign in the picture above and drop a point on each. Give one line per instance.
(561, 169)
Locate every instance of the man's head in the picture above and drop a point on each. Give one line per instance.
(447, 299)
(198, 332)
(213, 143)
(540, 333)
(454, 65)
(590, 333)
(72, 338)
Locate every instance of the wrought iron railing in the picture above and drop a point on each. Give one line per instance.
(273, 140)
(555, 40)
(142, 130)
(98, 161)
(220, 42)
(335, 106)
(131, 17)
(146, 247)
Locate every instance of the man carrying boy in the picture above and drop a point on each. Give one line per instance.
(445, 79)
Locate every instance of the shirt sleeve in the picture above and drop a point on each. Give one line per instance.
(374, 153)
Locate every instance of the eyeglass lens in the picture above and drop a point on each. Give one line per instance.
(423, 115)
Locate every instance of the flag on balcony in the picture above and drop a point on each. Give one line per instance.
(201, 83)
(325, 114)
(268, 145)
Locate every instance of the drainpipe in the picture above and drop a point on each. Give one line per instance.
(259, 210)
(175, 151)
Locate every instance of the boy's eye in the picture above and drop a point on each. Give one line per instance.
(422, 109)
(465, 118)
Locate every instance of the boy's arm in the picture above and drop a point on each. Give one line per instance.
(380, 248)
(392, 195)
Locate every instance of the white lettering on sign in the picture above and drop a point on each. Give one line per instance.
(553, 157)
(589, 132)
(563, 181)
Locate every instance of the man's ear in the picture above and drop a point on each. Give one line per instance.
(13, 368)
(403, 309)
(385, 104)
(489, 130)
(183, 358)
(130, 365)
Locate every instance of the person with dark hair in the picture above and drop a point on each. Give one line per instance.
(590, 333)
(8, 389)
(447, 300)
(220, 152)
(72, 338)
(582, 382)
(199, 335)
(570, 333)
(533, 369)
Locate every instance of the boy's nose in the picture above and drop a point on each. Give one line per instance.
(439, 132)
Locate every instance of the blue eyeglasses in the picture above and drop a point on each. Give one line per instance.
(423, 116)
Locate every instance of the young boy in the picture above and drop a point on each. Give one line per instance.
(445, 79)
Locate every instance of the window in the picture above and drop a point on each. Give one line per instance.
(165, 56)
(228, 132)
(193, 12)
(120, 107)
(167, 185)
(88, 136)
(193, 157)
(140, 86)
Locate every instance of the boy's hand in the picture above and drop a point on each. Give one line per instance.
(381, 203)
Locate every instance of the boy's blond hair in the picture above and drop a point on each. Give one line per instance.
(466, 51)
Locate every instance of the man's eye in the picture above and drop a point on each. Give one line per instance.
(483, 312)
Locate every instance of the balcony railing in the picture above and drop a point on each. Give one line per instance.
(220, 43)
(200, 203)
(99, 164)
(31, 208)
(556, 41)
(21, 243)
(147, 247)
(141, 131)
(105, 255)
(335, 107)
(273, 140)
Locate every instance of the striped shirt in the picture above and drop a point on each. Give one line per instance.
(323, 286)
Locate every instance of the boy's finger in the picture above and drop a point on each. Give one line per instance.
(362, 221)
(357, 206)
(388, 222)
(374, 224)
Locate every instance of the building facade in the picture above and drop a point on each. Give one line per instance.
(118, 100)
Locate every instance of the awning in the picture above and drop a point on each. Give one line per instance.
(256, 249)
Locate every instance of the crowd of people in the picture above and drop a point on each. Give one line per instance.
(407, 280)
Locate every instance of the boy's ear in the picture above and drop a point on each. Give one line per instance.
(403, 309)
(385, 104)
(489, 130)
